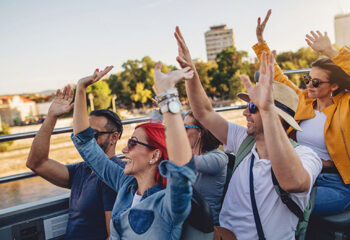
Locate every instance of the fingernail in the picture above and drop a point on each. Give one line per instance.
(97, 70)
(258, 19)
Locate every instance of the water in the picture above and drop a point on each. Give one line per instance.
(27, 190)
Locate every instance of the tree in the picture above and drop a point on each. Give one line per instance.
(203, 69)
(141, 94)
(225, 78)
(127, 83)
(302, 58)
(102, 94)
(5, 131)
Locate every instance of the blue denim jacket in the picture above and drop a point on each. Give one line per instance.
(160, 213)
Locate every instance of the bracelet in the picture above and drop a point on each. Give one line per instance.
(168, 100)
(167, 94)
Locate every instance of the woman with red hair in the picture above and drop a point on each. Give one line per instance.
(147, 206)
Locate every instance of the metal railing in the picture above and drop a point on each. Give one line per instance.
(18, 136)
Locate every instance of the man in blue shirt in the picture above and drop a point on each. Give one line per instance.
(91, 201)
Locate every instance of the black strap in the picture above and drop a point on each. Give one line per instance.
(291, 205)
(252, 198)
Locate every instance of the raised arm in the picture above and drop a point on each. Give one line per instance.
(199, 101)
(179, 170)
(285, 162)
(38, 160)
(175, 132)
(320, 43)
(262, 46)
(83, 137)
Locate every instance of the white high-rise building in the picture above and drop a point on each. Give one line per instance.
(342, 29)
(217, 39)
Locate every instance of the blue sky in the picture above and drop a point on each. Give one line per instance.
(45, 44)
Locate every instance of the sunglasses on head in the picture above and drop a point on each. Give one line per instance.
(98, 133)
(191, 126)
(315, 81)
(132, 142)
(252, 108)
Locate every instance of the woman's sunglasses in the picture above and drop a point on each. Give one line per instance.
(252, 108)
(315, 81)
(133, 142)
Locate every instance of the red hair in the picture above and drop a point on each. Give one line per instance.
(155, 132)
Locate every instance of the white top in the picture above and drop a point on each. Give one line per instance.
(136, 199)
(277, 220)
(313, 135)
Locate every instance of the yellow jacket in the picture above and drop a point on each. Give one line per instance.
(337, 126)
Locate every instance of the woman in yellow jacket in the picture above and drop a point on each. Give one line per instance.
(324, 115)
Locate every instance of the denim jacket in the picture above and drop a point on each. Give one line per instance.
(160, 213)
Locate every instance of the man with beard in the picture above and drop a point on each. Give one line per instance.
(91, 201)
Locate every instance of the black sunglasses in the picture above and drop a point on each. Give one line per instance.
(132, 143)
(315, 81)
(252, 108)
(98, 133)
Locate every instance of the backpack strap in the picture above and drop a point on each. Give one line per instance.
(244, 149)
(286, 199)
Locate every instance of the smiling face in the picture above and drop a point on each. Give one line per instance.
(139, 156)
(324, 90)
(254, 123)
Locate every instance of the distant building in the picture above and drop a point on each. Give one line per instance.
(16, 109)
(342, 29)
(217, 39)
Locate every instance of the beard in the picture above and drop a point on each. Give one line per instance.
(104, 145)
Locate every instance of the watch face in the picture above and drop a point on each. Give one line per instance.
(174, 107)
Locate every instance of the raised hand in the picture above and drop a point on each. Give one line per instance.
(261, 27)
(97, 75)
(261, 93)
(62, 103)
(320, 43)
(167, 81)
(184, 58)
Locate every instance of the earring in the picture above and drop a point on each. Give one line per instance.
(150, 161)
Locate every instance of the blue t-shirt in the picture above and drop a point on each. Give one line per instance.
(89, 200)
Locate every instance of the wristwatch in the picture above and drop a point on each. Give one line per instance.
(172, 105)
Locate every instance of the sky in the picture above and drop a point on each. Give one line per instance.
(46, 44)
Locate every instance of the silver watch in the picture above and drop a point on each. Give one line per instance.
(173, 105)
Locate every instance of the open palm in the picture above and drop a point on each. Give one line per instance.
(166, 81)
(261, 94)
(96, 76)
(318, 42)
(62, 103)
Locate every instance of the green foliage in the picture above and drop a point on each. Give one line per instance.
(296, 60)
(141, 94)
(127, 83)
(5, 131)
(102, 94)
(226, 76)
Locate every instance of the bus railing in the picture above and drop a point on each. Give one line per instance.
(18, 136)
